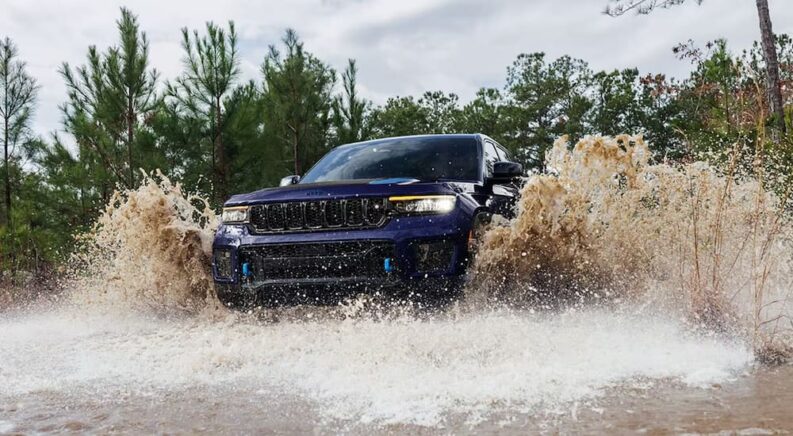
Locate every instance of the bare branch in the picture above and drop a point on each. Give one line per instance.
(641, 7)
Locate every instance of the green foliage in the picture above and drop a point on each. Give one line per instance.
(400, 116)
(44, 218)
(252, 150)
(434, 112)
(110, 100)
(218, 136)
(200, 97)
(546, 100)
(350, 112)
(486, 113)
(17, 98)
(297, 102)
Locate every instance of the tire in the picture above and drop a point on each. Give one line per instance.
(478, 228)
(434, 293)
(234, 297)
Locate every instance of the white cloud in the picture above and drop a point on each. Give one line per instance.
(402, 47)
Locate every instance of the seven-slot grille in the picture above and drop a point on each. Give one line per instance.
(319, 214)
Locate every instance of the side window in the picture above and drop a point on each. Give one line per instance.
(503, 154)
(491, 157)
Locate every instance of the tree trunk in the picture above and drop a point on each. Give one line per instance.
(295, 149)
(774, 86)
(214, 164)
(130, 138)
(7, 176)
(220, 153)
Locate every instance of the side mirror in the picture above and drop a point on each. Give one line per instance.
(505, 172)
(289, 180)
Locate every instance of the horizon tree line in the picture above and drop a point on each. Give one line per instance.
(219, 135)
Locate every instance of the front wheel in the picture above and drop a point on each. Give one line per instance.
(234, 297)
(436, 292)
(478, 228)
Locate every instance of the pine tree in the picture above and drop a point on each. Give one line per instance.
(350, 112)
(443, 111)
(132, 82)
(17, 98)
(297, 101)
(211, 68)
(109, 102)
(546, 100)
(484, 114)
(400, 116)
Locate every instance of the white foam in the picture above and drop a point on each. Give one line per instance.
(398, 371)
(7, 426)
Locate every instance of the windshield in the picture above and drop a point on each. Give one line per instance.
(423, 158)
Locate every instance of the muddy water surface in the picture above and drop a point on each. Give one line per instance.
(755, 403)
(73, 370)
(659, 336)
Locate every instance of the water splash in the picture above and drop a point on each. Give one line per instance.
(604, 222)
(364, 371)
(150, 248)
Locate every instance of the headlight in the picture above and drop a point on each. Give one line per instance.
(235, 215)
(421, 204)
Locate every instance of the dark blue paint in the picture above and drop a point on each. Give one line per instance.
(473, 197)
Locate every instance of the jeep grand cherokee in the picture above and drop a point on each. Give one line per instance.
(394, 215)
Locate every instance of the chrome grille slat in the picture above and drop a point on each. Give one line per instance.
(334, 213)
(259, 217)
(294, 216)
(353, 212)
(276, 218)
(374, 211)
(314, 214)
(301, 216)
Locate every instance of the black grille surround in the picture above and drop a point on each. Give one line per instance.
(302, 216)
(273, 263)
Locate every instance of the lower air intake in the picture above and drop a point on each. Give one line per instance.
(317, 260)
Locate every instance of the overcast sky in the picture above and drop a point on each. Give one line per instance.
(402, 46)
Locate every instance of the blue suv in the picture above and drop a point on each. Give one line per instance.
(398, 216)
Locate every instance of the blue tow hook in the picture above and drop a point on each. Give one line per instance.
(388, 265)
(246, 269)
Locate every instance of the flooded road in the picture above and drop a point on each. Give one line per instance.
(758, 402)
(76, 370)
(583, 314)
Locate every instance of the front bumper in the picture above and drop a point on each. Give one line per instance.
(406, 250)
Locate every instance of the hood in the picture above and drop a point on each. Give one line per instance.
(348, 189)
